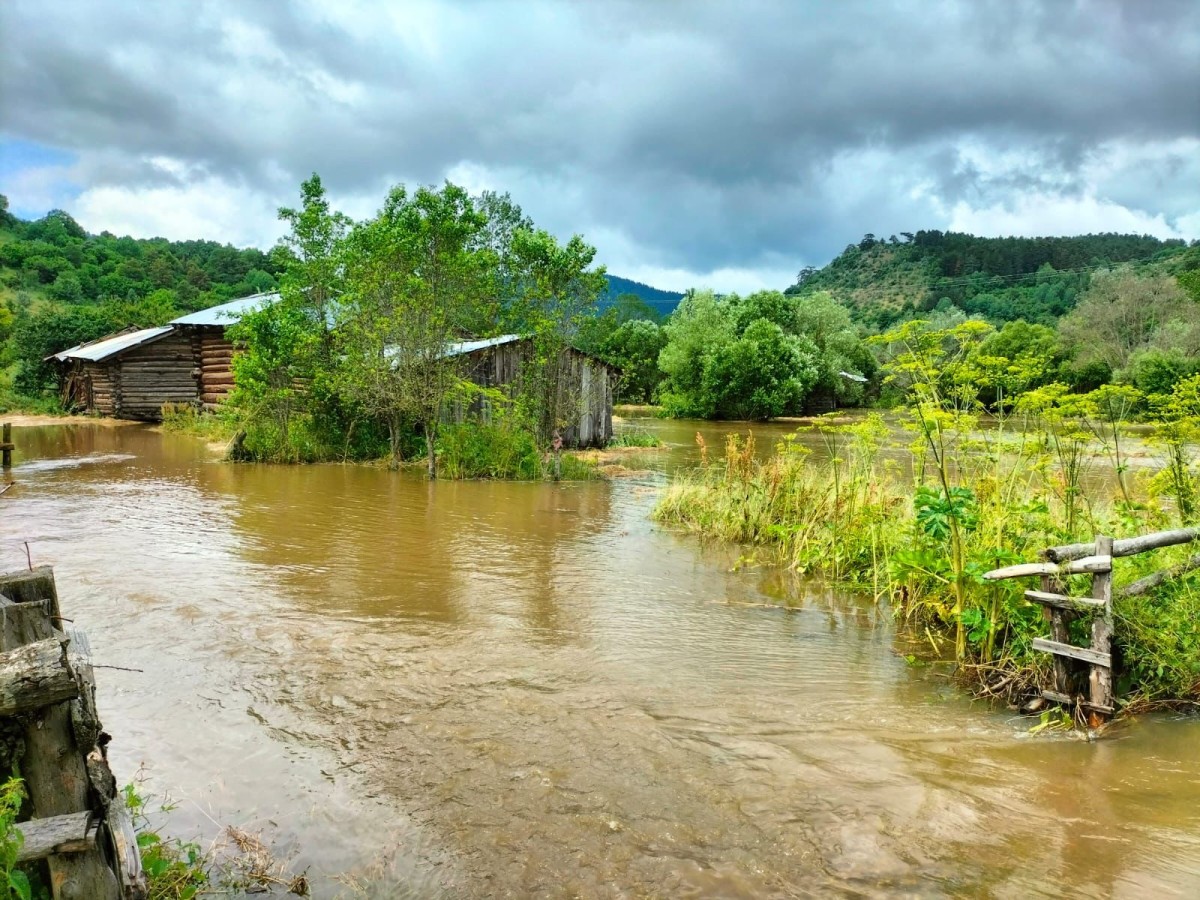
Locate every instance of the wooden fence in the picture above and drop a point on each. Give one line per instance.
(76, 819)
(1095, 559)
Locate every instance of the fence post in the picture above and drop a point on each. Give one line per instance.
(1058, 632)
(6, 445)
(1100, 688)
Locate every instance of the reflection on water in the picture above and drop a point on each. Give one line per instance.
(490, 689)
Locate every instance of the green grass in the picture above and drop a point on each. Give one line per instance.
(634, 437)
(501, 450)
(859, 523)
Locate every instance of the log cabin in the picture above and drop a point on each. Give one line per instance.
(130, 375)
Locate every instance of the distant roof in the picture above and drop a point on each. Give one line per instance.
(853, 377)
(96, 351)
(227, 313)
(461, 348)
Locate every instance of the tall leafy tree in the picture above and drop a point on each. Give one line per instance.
(556, 290)
(417, 274)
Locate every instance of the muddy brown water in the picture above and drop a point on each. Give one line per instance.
(511, 690)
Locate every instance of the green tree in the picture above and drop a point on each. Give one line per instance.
(634, 348)
(416, 274)
(763, 374)
(558, 291)
(699, 329)
(287, 369)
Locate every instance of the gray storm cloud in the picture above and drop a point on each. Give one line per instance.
(707, 135)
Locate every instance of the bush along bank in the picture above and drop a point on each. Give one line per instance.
(501, 448)
(973, 499)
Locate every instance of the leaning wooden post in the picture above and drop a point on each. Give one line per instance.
(1100, 681)
(6, 445)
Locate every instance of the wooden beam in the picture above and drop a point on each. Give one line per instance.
(1088, 565)
(71, 833)
(1022, 570)
(1084, 654)
(34, 676)
(1126, 546)
(1081, 566)
(1152, 581)
(30, 585)
(1075, 604)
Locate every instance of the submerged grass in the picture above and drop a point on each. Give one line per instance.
(861, 522)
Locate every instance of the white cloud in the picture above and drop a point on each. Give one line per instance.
(1050, 214)
(209, 208)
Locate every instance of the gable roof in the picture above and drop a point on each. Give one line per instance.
(227, 313)
(107, 347)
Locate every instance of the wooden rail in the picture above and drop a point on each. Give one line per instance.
(79, 824)
(1060, 609)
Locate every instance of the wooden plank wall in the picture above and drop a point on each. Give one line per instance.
(583, 382)
(154, 374)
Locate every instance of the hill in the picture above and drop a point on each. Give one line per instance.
(663, 302)
(1002, 279)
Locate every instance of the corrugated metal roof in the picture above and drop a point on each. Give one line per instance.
(98, 351)
(461, 348)
(227, 313)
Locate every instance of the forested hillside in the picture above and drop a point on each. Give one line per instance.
(60, 285)
(1001, 279)
(662, 302)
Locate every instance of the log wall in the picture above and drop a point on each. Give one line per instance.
(90, 386)
(214, 361)
(153, 374)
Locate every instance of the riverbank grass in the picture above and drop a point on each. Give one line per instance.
(861, 522)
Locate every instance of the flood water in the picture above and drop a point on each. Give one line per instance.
(512, 690)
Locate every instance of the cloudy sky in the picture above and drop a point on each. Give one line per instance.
(695, 143)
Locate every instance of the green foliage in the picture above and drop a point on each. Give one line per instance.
(1123, 313)
(15, 881)
(634, 348)
(634, 437)
(1001, 279)
(763, 374)
(175, 870)
(60, 286)
(758, 357)
(415, 281)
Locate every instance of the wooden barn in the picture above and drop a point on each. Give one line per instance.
(212, 350)
(585, 384)
(129, 375)
(132, 374)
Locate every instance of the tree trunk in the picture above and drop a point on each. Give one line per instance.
(430, 439)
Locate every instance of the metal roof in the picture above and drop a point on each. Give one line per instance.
(461, 348)
(227, 313)
(100, 350)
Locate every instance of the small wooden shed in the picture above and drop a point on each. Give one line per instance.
(129, 375)
(584, 383)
